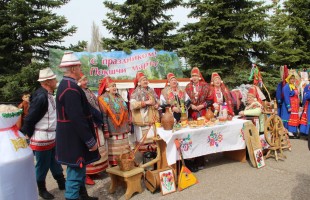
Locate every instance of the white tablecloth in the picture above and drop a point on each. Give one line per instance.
(205, 140)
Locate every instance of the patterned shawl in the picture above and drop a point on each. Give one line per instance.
(115, 107)
(170, 96)
(143, 94)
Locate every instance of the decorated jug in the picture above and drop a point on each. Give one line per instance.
(167, 120)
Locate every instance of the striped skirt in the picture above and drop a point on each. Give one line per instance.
(102, 164)
(117, 144)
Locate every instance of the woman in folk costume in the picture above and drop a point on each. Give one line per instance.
(17, 171)
(290, 106)
(279, 92)
(200, 94)
(116, 119)
(174, 96)
(254, 108)
(305, 117)
(221, 95)
(144, 105)
(100, 165)
(236, 96)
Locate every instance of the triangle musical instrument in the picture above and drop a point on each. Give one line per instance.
(186, 177)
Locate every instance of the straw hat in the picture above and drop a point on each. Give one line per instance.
(46, 74)
(69, 60)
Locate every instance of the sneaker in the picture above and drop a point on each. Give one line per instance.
(294, 136)
(89, 181)
(290, 134)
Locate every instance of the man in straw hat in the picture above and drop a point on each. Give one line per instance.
(40, 126)
(76, 139)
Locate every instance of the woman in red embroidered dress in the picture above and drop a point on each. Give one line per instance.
(200, 94)
(201, 97)
(174, 96)
(221, 95)
(116, 119)
(102, 164)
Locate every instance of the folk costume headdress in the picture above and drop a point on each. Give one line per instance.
(82, 77)
(196, 71)
(104, 85)
(69, 60)
(290, 75)
(139, 77)
(214, 76)
(169, 77)
(253, 93)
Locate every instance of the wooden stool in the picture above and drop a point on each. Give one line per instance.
(132, 179)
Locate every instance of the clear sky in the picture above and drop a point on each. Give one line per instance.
(82, 13)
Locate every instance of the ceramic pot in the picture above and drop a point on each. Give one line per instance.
(209, 115)
(167, 120)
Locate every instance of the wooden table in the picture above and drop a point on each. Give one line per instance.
(227, 138)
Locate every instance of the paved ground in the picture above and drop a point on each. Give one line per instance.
(223, 179)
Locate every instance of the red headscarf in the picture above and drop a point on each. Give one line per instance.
(104, 83)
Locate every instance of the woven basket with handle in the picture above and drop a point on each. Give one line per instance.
(126, 161)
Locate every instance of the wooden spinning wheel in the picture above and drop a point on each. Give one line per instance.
(273, 125)
(275, 136)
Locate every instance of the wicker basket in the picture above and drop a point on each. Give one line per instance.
(126, 161)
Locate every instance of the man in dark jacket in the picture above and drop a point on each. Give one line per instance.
(76, 144)
(40, 126)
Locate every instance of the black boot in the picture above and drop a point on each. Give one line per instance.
(295, 136)
(43, 192)
(84, 195)
(61, 181)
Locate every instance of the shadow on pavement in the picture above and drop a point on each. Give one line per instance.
(302, 190)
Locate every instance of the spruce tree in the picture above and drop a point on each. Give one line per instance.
(290, 34)
(141, 24)
(227, 35)
(27, 29)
